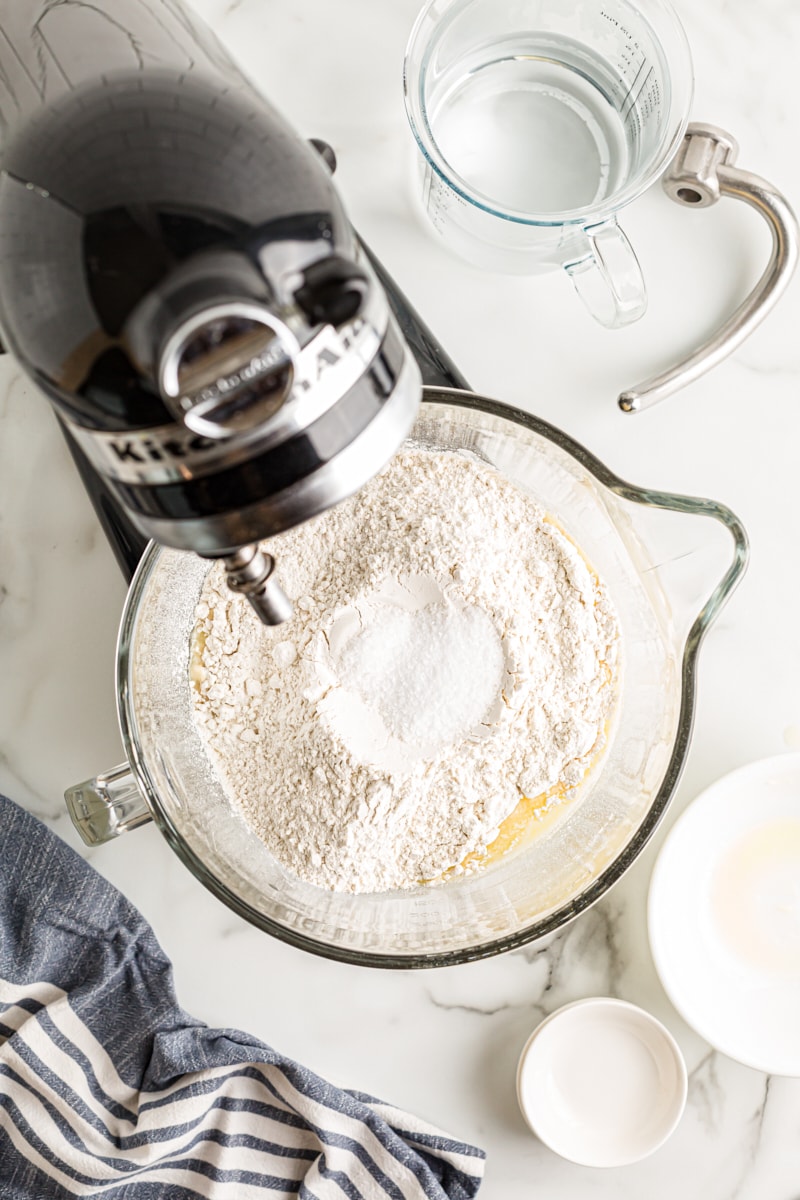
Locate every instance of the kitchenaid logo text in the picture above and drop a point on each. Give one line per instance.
(259, 365)
(353, 347)
(149, 449)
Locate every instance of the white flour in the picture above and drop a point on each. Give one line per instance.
(450, 652)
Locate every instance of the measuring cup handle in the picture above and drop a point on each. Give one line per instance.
(104, 807)
(607, 276)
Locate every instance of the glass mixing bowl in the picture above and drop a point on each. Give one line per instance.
(668, 571)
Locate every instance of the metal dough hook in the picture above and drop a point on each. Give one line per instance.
(700, 173)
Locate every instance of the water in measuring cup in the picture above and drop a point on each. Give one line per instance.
(533, 132)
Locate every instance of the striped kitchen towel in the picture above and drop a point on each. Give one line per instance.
(108, 1089)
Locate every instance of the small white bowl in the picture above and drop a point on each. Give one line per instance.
(602, 1082)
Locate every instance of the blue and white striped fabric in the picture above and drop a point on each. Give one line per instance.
(108, 1089)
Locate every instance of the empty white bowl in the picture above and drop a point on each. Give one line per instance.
(602, 1082)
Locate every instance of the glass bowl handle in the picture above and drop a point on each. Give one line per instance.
(700, 507)
(700, 173)
(107, 806)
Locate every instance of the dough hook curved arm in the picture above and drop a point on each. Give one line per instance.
(700, 173)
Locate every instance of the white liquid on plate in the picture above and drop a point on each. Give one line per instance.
(755, 898)
(533, 134)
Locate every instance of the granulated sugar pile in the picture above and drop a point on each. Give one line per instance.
(450, 653)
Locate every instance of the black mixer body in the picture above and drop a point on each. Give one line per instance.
(178, 276)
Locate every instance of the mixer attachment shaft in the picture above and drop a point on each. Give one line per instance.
(251, 572)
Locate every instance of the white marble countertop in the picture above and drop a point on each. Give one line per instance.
(445, 1043)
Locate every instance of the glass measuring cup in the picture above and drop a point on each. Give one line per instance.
(537, 121)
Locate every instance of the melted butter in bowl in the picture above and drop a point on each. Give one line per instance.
(724, 915)
(755, 898)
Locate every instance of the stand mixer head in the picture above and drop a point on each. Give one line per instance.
(178, 276)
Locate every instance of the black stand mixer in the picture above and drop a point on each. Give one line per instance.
(178, 276)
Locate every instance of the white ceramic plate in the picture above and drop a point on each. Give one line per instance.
(724, 915)
(601, 1082)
